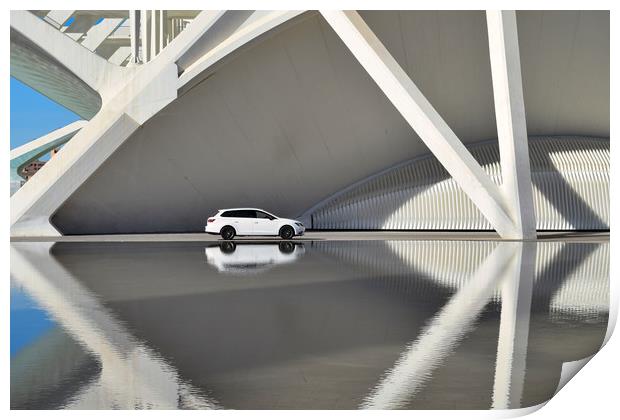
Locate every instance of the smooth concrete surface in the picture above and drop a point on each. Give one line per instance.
(324, 236)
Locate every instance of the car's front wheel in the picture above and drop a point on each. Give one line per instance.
(227, 233)
(287, 232)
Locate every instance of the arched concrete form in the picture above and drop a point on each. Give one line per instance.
(23, 155)
(32, 66)
(570, 179)
(55, 65)
(292, 117)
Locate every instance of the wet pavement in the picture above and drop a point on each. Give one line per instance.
(313, 324)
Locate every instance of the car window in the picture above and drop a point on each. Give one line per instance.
(244, 214)
(234, 213)
(263, 215)
(248, 214)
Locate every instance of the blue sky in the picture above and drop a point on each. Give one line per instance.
(28, 321)
(33, 115)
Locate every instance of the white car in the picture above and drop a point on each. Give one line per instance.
(248, 221)
(242, 258)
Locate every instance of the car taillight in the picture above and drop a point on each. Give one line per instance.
(211, 220)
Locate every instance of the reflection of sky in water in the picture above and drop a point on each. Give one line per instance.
(369, 324)
(28, 321)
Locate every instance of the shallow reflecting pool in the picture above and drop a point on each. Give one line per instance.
(306, 325)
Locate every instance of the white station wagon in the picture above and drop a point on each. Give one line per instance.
(248, 221)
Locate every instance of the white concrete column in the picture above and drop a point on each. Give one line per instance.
(516, 296)
(134, 36)
(423, 118)
(163, 29)
(511, 123)
(145, 35)
(155, 32)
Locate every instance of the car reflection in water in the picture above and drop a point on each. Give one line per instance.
(250, 258)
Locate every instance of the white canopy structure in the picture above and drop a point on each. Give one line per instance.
(193, 111)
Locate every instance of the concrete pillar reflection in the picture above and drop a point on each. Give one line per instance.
(443, 334)
(516, 301)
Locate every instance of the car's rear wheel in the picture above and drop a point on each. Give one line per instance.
(286, 232)
(228, 247)
(228, 232)
(286, 247)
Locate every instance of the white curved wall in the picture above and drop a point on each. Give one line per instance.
(570, 177)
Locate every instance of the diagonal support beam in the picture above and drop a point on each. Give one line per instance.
(120, 55)
(510, 116)
(100, 32)
(423, 118)
(58, 18)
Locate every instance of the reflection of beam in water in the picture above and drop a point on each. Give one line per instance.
(439, 339)
(132, 376)
(443, 333)
(508, 355)
(47, 373)
(514, 327)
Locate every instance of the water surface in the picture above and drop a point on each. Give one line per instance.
(302, 325)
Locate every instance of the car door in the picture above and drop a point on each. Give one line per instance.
(263, 224)
(246, 220)
(238, 220)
